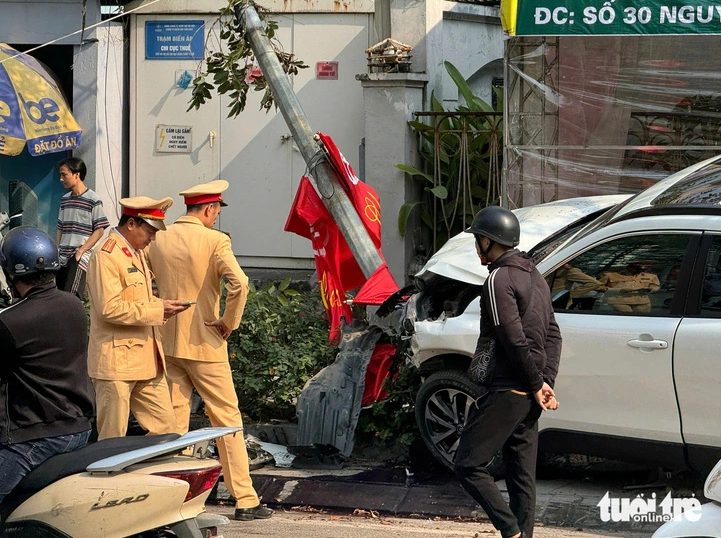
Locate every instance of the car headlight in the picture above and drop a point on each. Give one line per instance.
(712, 487)
(410, 314)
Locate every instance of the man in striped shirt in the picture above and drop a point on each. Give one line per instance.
(81, 224)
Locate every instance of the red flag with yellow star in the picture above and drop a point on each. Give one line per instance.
(309, 218)
(338, 270)
(363, 197)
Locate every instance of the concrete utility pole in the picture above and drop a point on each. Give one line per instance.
(332, 193)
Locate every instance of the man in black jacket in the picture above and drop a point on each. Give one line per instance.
(46, 397)
(516, 312)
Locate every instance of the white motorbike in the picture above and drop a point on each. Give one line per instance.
(702, 522)
(120, 487)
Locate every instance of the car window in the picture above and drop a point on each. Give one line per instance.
(711, 288)
(634, 275)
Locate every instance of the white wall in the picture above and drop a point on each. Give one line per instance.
(467, 35)
(473, 42)
(251, 151)
(41, 21)
(110, 162)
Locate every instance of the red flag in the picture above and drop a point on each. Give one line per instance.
(364, 198)
(310, 218)
(378, 288)
(337, 268)
(376, 373)
(366, 202)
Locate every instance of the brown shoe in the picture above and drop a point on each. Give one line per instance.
(249, 514)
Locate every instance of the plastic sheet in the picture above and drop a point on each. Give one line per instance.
(589, 115)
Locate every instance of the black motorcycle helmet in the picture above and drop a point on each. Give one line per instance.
(26, 251)
(497, 224)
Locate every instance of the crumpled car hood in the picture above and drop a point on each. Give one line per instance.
(457, 259)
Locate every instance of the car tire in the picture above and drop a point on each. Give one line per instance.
(442, 406)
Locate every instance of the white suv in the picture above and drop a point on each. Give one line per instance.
(639, 378)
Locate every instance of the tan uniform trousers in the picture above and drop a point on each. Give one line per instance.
(214, 383)
(148, 400)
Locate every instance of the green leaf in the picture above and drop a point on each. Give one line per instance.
(404, 214)
(438, 191)
(436, 105)
(412, 171)
(473, 102)
(420, 126)
(284, 285)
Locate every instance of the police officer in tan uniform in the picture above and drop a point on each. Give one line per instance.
(189, 260)
(628, 291)
(125, 357)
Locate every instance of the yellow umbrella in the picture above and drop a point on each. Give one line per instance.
(32, 108)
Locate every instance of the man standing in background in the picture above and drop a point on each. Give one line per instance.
(189, 261)
(81, 224)
(125, 357)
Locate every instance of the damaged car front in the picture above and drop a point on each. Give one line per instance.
(441, 321)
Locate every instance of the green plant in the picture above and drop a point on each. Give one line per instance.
(392, 421)
(232, 63)
(281, 343)
(462, 150)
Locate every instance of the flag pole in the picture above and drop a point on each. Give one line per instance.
(332, 193)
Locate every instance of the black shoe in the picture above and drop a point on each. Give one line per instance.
(249, 514)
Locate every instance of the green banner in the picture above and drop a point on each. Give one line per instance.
(618, 17)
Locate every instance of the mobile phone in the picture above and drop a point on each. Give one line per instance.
(187, 303)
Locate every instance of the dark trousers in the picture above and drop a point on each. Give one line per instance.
(71, 278)
(18, 460)
(503, 421)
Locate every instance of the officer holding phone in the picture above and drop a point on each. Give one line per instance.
(189, 261)
(125, 355)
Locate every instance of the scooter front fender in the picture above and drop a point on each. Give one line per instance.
(707, 525)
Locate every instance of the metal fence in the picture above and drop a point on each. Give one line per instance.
(463, 150)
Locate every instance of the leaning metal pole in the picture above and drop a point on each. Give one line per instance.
(333, 195)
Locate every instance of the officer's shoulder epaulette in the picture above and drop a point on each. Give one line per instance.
(109, 245)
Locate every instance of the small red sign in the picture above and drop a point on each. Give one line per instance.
(326, 70)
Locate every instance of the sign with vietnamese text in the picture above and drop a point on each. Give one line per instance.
(326, 70)
(174, 40)
(173, 138)
(612, 17)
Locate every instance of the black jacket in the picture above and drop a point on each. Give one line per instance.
(529, 347)
(45, 390)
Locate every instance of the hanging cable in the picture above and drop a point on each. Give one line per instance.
(82, 30)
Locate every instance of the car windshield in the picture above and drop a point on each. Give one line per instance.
(699, 184)
(548, 245)
(700, 188)
(580, 231)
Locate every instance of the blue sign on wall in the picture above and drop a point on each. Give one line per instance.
(174, 40)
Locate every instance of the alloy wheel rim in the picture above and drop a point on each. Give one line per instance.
(445, 416)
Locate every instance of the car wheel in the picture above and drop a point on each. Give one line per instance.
(442, 406)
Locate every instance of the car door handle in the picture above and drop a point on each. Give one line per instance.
(648, 344)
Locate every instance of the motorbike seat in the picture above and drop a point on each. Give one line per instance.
(69, 463)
